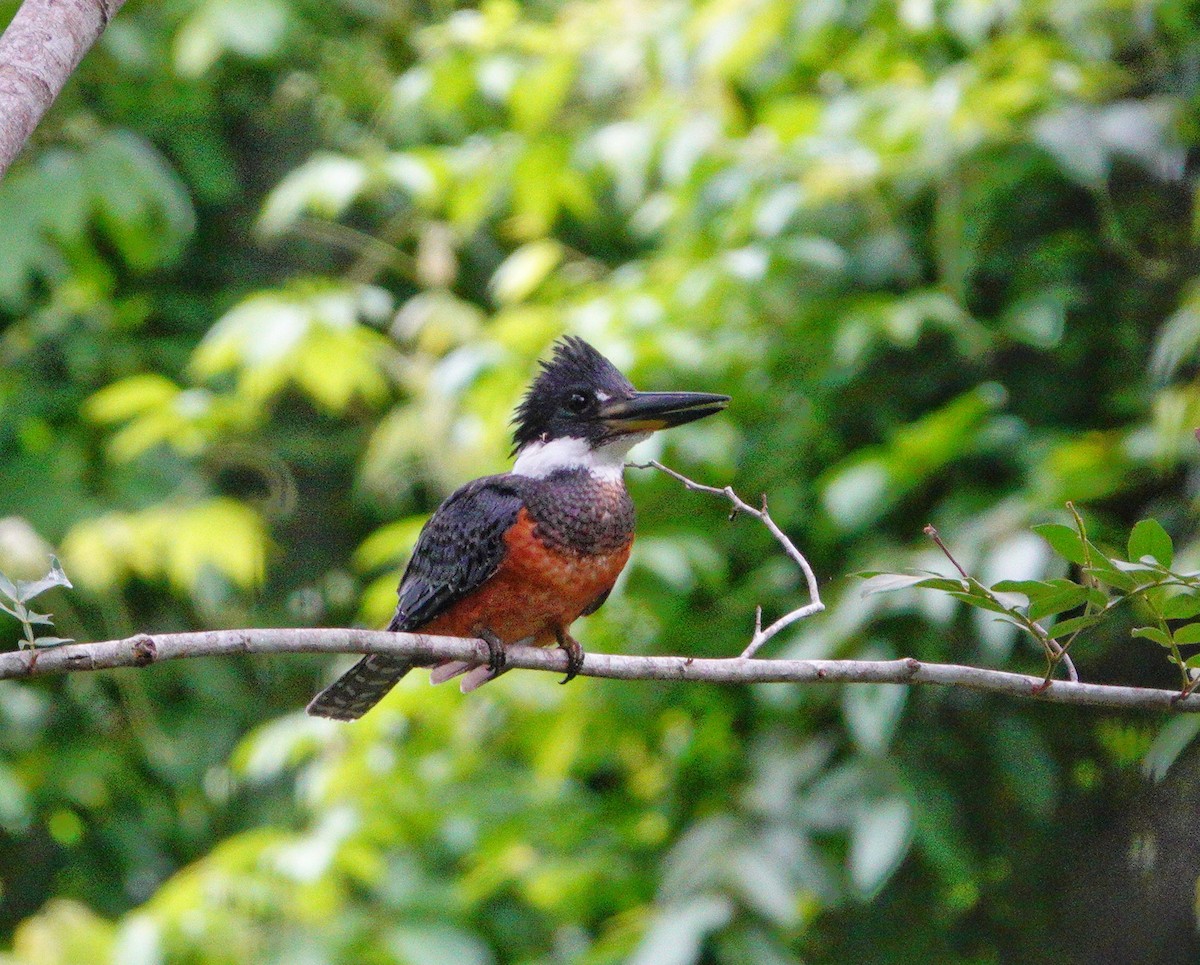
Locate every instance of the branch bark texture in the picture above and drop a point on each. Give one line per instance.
(39, 51)
(143, 650)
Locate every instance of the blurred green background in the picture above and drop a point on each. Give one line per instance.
(272, 278)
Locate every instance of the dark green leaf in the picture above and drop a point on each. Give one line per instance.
(1182, 607)
(980, 601)
(1031, 588)
(1065, 627)
(946, 583)
(1063, 595)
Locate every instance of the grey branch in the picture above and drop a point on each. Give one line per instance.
(761, 634)
(143, 650)
(38, 53)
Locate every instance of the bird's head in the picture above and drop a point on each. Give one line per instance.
(582, 413)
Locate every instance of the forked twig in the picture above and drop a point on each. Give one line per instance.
(761, 634)
(1055, 652)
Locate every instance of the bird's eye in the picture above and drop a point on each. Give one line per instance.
(576, 402)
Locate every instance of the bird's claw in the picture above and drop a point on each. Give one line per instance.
(574, 656)
(497, 658)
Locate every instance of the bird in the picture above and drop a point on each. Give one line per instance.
(518, 557)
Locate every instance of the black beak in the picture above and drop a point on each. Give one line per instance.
(651, 411)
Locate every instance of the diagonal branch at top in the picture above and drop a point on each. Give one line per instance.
(39, 51)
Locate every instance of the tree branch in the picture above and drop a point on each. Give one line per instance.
(39, 51)
(429, 650)
(143, 650)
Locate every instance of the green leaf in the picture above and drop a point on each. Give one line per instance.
(879, 840)
(1182, 607)
(56, 577)
(323, 187)
(437, 945)
(51, 641)
(1010, 599)
(872, 712)
(1031, 588)
(1171, 741)
(1137, 566)
(1065, 627)
(676, 936)
(1152, 633)
(979, 601)
(1062, 595)
(1148, 538)
(524, 270)
(1188, 633)
(8, 588)
(1103, 571)
(887, 582)
(131, 396)
(945, 583)
(1063, 540)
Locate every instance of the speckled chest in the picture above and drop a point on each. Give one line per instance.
(563, 552)
(577, 512)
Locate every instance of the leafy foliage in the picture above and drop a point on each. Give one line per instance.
(15, 595)
(1106, 582)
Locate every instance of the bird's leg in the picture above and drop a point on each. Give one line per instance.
(496, 655)
(574, 653)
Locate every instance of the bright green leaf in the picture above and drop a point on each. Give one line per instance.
(1148, 538)
(1152, 633)
(1063, 540)
(1064, 595)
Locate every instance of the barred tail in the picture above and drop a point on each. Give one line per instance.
(360, 688)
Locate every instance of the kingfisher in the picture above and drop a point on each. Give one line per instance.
(518, 557)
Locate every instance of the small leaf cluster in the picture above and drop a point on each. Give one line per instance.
(1167, 601)
(15, 594)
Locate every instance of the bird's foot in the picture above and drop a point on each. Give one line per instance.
(574, 654)
(497, 658)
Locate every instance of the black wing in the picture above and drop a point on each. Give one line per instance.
(458, 549)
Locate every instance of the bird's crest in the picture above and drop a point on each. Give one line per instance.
(574, 365)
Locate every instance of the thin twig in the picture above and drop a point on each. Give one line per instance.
(1055, 653)
(368, 248)
(143, 650)
(761, 634)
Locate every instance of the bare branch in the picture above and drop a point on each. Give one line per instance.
(143, 650)
(38, 53)
(761, 634)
